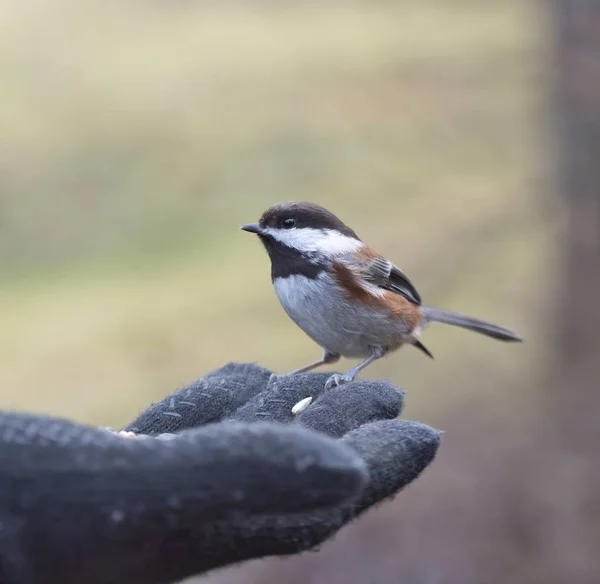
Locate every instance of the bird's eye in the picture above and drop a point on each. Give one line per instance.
(288, 222)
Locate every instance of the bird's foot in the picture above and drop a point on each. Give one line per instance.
(338, 379)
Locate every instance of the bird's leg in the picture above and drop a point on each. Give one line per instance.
(327, 359)
(337, 379)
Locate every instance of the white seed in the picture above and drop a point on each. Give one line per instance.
(126, 434)
(301, 405)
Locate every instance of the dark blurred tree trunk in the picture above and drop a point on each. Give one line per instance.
(573, 421)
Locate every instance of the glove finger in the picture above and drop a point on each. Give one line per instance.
(249, 374)
(267, 467)
(221, 469)
(349, 406)
(276, 402)
(129, 507)
(208, 399)
(395, 451)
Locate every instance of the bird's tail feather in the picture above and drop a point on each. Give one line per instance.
(430, 314)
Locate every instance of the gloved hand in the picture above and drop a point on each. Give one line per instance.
(242, 478)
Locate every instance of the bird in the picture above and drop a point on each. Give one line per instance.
(347, 297)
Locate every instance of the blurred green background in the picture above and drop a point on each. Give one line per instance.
(136, 137)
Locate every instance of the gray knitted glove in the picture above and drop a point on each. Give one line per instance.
(242, 478)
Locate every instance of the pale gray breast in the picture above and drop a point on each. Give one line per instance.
(319, 308)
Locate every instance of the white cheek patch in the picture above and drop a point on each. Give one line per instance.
(308, 240)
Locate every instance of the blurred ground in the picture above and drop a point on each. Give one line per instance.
(136, 137)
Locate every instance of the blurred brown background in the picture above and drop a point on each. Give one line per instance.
(136, 137)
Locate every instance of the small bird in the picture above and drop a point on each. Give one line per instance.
(344, 295)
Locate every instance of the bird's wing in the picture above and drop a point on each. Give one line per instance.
(386, 275)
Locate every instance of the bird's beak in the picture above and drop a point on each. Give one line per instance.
(252, 228)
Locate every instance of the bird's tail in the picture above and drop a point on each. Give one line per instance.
(430, 314)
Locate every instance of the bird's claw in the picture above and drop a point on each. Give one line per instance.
(336, 379)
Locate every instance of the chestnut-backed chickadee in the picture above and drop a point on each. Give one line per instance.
(344, 295)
